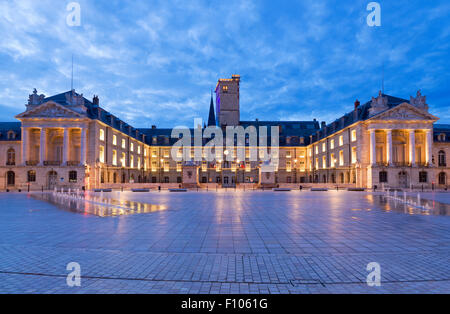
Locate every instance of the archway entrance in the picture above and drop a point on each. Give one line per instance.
(403, 179)
(52, 179)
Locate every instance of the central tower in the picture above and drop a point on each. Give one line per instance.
(227, 101)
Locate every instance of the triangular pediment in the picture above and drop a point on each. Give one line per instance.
(404, 112)
(50, 110)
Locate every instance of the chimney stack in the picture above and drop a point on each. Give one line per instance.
(357, 103)
(323, 124)
(95, 100)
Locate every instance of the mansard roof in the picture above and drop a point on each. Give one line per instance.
(96, 112)
(6, 127)
(359, 114)
(438, 130)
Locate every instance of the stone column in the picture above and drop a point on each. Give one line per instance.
(412, 148)
(24, 145)
(83, 147)
(65, 147)
(429, 146)
(389, 146)
(373, 158)
(42, 147)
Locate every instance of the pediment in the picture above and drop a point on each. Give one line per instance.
(404, 112)
(50, 110)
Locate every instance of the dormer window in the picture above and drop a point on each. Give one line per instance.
(11, 135)
(441, 137)
(225, 89)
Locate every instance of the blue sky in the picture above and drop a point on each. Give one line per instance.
(155, 62)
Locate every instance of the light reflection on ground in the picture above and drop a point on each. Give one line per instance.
(98, 205)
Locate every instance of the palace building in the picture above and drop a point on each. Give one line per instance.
(68, 141)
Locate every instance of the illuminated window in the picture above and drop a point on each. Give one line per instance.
(353, 135)
(102, 135)
(332, 144)
(145, 152)
(154, 166)
(288, 166)
(114, 157)
(179, 167)
(139, 163)
(139, 149)
(123, 160)
(166, 153)
(124, 143)
(225, 89)
(166, 166)
(114, 140)
(317, 163)
(132, 147)
(131, 161)
(353, 155)
(341, 158)
(324, 147)
(101, 154)
(324, 162)
(288, 154)
(248, 167)
(332, 161)
(317, 150)
(154, 154)
(341, 140)
(219, 166)
(204, 166)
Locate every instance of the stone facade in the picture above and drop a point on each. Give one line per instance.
(66, 141)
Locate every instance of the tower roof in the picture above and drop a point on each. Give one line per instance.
(212, 116)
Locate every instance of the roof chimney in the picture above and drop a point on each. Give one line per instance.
(95, 100)
(323, 124)
(357, 103)
(153, 127)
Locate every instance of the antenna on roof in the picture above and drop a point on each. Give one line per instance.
(71, 82)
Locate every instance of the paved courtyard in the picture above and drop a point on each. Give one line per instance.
(226, 242)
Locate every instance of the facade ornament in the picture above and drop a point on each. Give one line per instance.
(35, 99)
(378, 104)
(419, 101)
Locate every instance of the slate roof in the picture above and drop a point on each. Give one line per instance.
(360, 114)
(5, 127)
(439, 129)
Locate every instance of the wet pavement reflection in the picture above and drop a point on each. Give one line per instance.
(97, 205)
(410, 205)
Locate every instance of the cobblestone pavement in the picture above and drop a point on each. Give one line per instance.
(225, 242)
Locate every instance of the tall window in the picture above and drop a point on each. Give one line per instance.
(31, 176)
(324, 162)
(114, 140)
(114, 157)
(139, 149)
(332, 144)
(101, 154)
(132, 147)
(341, 140)
(124, 143)
(123, 160)
(341, 158)
(131, 161)
(353, 155)
(442, 161)
(73, 177)
(324, 147)
(11, 157)
(353, 135)
(442, 178)
(11, 178)
(332, 161)
(102, 135)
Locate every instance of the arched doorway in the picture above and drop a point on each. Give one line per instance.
(11, 178)
(403, 179)
(52, 179)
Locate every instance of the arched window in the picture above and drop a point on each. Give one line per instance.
(324, 178)
(73, 177)
(11, 157)
(11, 178)
(31, 176)
(442, 178)
(383, 177)
(441, 160)
(341, 177)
